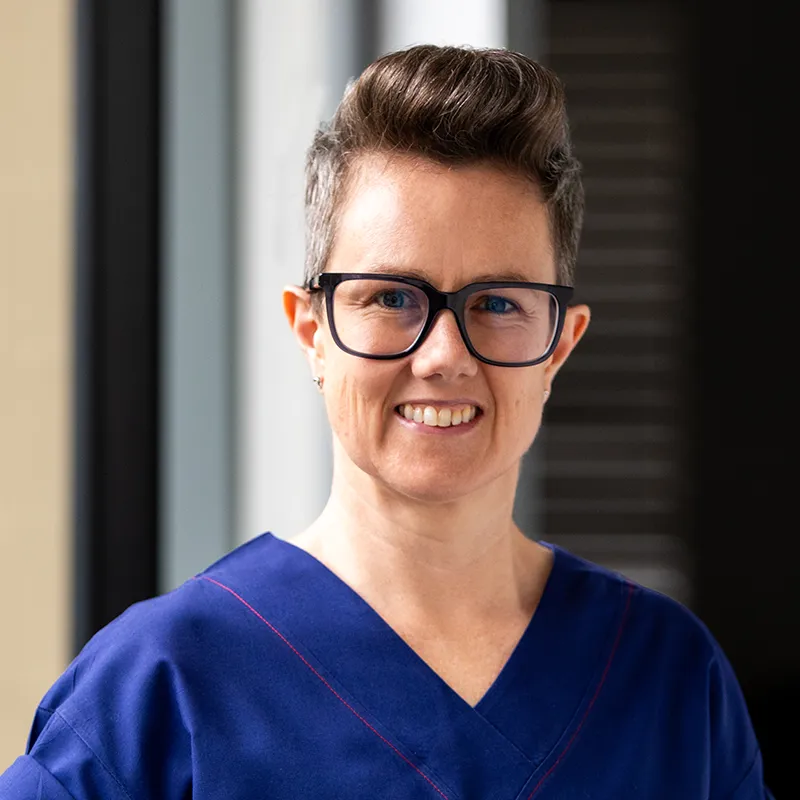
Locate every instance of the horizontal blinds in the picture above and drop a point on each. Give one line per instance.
(613, 443)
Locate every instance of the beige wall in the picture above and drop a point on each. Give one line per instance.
(35, 354)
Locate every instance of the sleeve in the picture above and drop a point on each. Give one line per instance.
(27, 779)
(752, 786)
(60, 756)
(114, 725)
(736, 765)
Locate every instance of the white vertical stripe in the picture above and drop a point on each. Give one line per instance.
(196, 480)
(282, 472)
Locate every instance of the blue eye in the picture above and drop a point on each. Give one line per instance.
(496, 305)
(392, 298)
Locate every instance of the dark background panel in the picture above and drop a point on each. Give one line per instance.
(117, 307)
(748, 556)
(679, 117)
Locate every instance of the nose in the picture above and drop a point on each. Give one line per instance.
(444, 351)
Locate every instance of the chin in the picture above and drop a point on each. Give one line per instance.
(429, 494)
(433, 483)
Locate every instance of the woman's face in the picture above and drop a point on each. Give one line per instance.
(450, 227)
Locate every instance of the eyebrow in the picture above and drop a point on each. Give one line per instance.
(505, 275)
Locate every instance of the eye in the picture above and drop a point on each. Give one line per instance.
(394, 299)
(494, 304)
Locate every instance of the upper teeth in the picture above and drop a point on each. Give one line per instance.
(441, 417)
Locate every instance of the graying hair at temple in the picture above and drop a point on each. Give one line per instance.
(455, 106)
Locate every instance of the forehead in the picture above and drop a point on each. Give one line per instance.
(447, 224)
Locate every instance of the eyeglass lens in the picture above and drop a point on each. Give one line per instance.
(383, 317)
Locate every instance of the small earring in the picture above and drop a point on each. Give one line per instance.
(318, 379)
(546, 394)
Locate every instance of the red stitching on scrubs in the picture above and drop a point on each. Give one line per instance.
(333, 691)
(591, 703)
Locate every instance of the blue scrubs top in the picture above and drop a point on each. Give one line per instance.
(268, 677)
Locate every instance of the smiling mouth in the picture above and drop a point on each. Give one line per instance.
(444, 417)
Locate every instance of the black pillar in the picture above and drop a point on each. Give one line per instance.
(116, 307)
(747, 546)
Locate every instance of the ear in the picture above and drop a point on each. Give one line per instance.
(575, 323)
(305, 325)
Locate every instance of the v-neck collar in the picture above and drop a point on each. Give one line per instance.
(403, 644)
(508, 735)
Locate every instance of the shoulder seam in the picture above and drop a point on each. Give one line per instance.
(99, 760)
(55, 780)
(731, 793)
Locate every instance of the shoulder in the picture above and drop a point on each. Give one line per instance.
(656, 623)
(176, 624)
(123, 715)
(165, 634)
(135, 667)
(113, 720)
(666, 659)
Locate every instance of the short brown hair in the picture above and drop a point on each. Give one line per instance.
(455, 106)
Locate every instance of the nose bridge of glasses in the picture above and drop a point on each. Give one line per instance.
(439, 325)
(446, 301)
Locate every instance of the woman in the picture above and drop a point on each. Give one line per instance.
(413, 643)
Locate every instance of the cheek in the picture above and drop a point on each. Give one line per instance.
(355, 399)
(520, 415)
(345, 404)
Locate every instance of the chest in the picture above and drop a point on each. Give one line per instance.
(307, 734)
(469, 662)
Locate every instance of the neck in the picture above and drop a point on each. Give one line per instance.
(442, 561)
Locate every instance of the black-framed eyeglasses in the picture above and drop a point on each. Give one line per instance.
(503, 323)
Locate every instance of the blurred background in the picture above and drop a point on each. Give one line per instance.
(155, 412)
